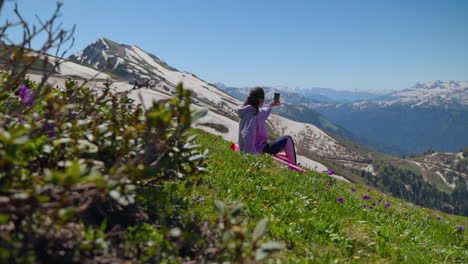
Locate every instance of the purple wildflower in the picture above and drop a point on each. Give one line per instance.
(29, 101)
(364, 205)
(299, 164)
(353, 189)
(23, 91)
(438, 218)
(366, 197)
(371, 207)
(215, 139)
(461, 228)
(340, 199)
(329, 172)
(22, 121)
(374, 204)
(379, 200)
(51, 134)
(330, 184)
(387, 205)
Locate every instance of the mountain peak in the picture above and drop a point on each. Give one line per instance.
(428, 85)
(129, 61)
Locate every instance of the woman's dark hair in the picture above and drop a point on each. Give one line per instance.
(255, 95)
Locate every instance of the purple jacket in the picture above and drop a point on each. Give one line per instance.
(252, 131)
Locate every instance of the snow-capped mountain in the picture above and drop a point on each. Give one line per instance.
(134, 64)
(429, 115)
(139, 67)
(123, 60)
(422, 95)
(433, 93)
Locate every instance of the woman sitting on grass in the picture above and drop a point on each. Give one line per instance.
(252, 131)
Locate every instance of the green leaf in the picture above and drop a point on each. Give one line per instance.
(200, 114)
(272, 246)
(195, 157)
(61, 141)
(260, 229)
(4, 135)
(236, 211)
(20, 140)
(87, 146)
(4, 218)
(73, 172)
(47, 149)
(266, 249)
(175, 232)
(114, 194)
(191, 138)
(260, 255)
(220, 207)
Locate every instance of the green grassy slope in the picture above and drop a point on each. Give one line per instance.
(307, 216)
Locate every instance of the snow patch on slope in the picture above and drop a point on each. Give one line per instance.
(451, 185)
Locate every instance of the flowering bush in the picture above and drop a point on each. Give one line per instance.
(75, 157)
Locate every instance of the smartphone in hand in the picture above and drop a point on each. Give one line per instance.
(276, 98)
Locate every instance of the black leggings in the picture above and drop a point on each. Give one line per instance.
(285, 143)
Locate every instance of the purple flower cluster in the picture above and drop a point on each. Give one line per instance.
(329, 172)
(25, 95)
(461, 228)
(50, 130)
(215, 139)
(24, 91)
(340, 199)
(330, 184)
(367, 197)
(438, 218)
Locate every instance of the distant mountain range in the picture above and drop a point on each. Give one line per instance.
(305, 96)
(431, 115)
(328, 95)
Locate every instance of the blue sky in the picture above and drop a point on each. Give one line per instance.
(340, 44)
